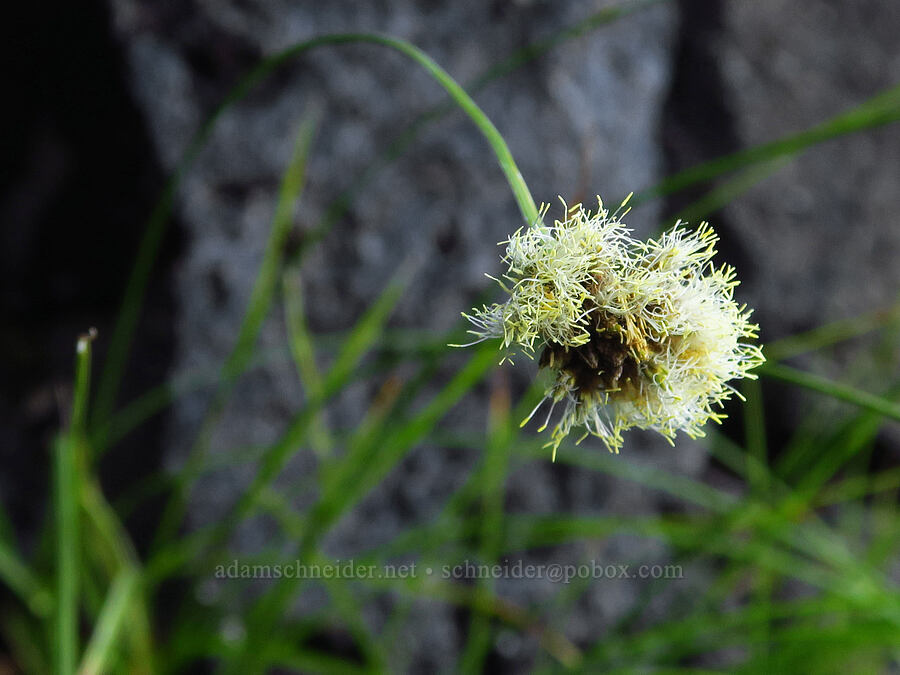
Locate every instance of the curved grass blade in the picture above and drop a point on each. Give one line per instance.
(126, 322)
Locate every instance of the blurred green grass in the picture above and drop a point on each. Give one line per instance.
(799, 552)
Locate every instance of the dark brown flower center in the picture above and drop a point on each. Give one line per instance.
(609, 361)
(605, 363)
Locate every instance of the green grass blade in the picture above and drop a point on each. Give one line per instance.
(392, 448)
(267, 280)
(155, 227)
(847, 442)
(357, 344)
(831, 333)
(878, 111)
(304, 355)
(389, 451)
(828, 387)
(66, 483)
(101, 648)
(500, 433)
(725, 193)
(857, 487)
(257, 309)
(19, 578)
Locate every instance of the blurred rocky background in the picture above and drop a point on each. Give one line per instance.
(109, 94)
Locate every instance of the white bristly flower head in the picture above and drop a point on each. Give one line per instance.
(635, 334)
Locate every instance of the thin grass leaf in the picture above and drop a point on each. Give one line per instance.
(334, 474)
(257, 309)
(304, 355)
(858, 487)
(65, 490)
(22, 581)
(271, 607)
(22, 635)
(847, 443)
(357, 344)
(270, 268)
(355, 347)
(500, 433)
(109, 555)
(392, 448)
(726, 192)
(101, 649)
(816, 451)
(831, 333)
(828, 387)
(877, 111)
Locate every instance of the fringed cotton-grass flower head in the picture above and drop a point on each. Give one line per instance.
(634, 334)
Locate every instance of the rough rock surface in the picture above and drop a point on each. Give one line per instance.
(819, 237)
(822, 228)
(584, 118)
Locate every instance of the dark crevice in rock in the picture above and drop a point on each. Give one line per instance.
(697, 121)
(79, 177)
(698, 125)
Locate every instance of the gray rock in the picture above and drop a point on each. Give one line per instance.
(820, 233)
(580, 120)
(584, 118)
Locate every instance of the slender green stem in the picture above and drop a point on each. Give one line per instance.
(337, 208)
(156, 226)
